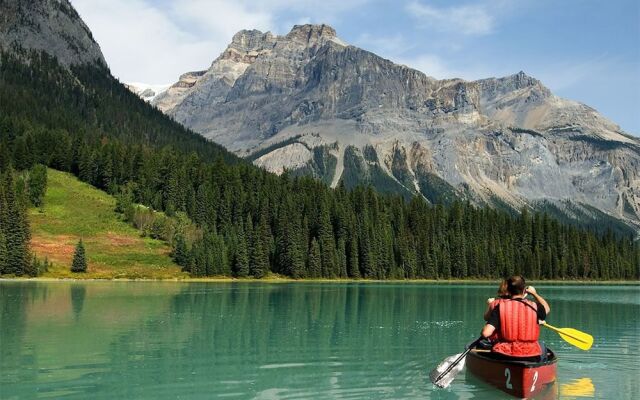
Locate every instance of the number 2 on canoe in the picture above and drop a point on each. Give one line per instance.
(507, 373)
(535, 379)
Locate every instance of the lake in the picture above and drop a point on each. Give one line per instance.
(170, 340)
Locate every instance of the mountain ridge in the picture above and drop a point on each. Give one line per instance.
(505, 138)
(52, 26)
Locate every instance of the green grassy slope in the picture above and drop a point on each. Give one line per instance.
(74, 210)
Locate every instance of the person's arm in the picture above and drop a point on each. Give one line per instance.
(487, 312)
(488, 330)
(493, 322)
(532, 291)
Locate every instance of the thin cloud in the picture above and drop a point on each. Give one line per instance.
(143, 41)
(465, 19)
(569, 73)
(386, 46)
(155, 42)
(437, 67)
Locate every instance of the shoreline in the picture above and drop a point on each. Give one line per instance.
(291, 280)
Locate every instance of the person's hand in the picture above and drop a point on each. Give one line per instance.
(490, 300)
(531, 290)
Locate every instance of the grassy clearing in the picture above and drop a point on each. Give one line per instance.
(74, 210)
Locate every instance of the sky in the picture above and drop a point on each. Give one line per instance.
(585, 50)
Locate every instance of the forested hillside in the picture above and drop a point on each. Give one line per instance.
(254, 222)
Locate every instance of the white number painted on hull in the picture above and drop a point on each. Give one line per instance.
(507, 373)
(535, 379)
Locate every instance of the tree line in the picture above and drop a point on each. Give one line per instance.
(17, 192)
(253, 223)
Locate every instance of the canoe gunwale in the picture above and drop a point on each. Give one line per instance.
(552, 359)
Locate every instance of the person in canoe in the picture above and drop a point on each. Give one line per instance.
(492, 303)
(516, 322)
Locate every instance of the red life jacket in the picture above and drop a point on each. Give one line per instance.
(519, 329)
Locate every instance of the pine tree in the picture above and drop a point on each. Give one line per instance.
(259, 261)
(219, 259)
(342, 258)
(314, 260)
(79, 263)
(4, 254)
(241, 260)
(327, 245)
(16, 228)
(37, 184)
(180, 252)
(353, 265)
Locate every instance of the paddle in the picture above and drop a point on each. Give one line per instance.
(446, 371)
(581, 340)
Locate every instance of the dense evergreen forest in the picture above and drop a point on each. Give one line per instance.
(252, 223)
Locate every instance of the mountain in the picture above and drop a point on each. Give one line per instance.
(309, 103)
(52, 26)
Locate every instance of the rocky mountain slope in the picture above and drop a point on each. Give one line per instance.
(53, 26)
(309, 103)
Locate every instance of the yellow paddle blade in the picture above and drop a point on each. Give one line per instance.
(583, 387)
(581, 340)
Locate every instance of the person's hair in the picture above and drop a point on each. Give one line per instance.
(515, 285)
(502, 290)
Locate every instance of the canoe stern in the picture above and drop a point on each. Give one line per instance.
(517, 378)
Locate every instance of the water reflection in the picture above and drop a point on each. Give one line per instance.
(167, 340)
(582, 387)
(77, 292)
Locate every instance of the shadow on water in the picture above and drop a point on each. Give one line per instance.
(299, 340)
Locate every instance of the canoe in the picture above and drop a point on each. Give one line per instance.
(522, 379)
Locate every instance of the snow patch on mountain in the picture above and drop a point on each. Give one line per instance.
(147, 92)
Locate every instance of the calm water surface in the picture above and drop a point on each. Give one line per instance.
(126, 340)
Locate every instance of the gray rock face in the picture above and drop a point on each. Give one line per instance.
(52, 26)
(507, 140)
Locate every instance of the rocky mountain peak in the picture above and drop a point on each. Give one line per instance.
(521, 79)
(310, 33)
(513, 83)
(248, 40)
(52, 26)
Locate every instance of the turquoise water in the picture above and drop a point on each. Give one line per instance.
(125, 340)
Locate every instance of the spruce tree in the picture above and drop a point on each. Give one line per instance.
(353, 266)
(4, 253)
(180, 252)
(327, 245)
(241, 260)
(79, 263)
(16, 229)
(37, 184)
(259, 264)
(314, 260)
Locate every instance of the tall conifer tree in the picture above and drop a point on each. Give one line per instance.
(79, 263)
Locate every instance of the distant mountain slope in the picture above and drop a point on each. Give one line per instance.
(338, 112)
(53, 26)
